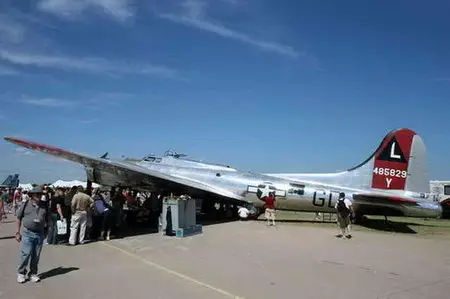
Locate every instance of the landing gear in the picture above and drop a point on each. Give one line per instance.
(358, 219)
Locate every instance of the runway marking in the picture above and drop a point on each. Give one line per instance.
(173, 272)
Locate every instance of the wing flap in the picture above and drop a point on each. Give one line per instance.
(122, 168)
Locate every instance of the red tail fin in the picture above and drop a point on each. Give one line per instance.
(390, 168)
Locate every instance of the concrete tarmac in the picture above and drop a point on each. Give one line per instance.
(237, 260)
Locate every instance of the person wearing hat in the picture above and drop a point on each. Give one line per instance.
(33, 221)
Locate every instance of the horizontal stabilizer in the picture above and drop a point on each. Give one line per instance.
(372, 199)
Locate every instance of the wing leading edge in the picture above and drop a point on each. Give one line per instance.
(119, 168)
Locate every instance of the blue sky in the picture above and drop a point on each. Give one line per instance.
(269, 86)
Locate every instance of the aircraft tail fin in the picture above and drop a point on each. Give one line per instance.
(7, 180)
(11, 181)
(15, 181)
(399, 163)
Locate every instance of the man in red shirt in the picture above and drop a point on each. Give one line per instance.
(270, 208)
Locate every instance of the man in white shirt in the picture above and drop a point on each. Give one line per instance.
(344, 209)
(243, 212)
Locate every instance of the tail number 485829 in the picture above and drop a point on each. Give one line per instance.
(390, 172)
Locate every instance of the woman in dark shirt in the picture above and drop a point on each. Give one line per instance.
(56, 209)
(104, 210)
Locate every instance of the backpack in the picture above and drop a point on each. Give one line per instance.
(342, 208)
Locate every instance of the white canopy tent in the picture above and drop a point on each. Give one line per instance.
(70, 184)
(27, 186)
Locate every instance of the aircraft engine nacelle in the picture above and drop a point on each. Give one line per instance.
(106, 178)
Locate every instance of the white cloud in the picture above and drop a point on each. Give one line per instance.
(86, 64)
(233, 2)
(24, 152)
(48, 102)
(194, 15)
(58, 160)
(120, 10)
(101, 100)
(22, 44)
(10, 30)
(442, 79)
(7, 71)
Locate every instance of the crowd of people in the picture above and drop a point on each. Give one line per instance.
(75, 216)
(72, 216)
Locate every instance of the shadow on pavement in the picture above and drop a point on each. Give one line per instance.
(388, 226)
(9, 221)
(57, 271)
(375, 224)
(299, 221)
(145, 229)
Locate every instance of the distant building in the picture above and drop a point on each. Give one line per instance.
(441, 190)
(441, 193)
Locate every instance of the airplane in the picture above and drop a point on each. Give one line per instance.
(393, 181)
(10, 182)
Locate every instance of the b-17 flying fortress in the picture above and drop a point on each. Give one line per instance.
(392, 181)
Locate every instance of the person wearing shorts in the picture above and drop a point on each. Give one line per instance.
(270, 209)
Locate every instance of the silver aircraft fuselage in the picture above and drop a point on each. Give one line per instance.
(305, 195)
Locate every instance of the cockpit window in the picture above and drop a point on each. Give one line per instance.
(149, 159)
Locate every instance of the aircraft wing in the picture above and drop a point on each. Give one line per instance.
(127, 169)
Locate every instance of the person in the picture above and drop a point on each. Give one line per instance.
(104, 210)
(89, 224)
(33, 220)
(344, 209)
(270, 208)
(68, 212)
(56, 210)
(243, 213)
(118, 200)
(16, 199)
(81, 203)
(25, 197)
(3, 199)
